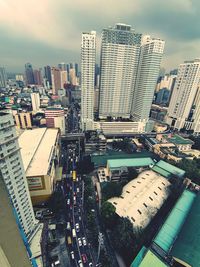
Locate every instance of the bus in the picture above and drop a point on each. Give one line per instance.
(69, 240)
(74, 176)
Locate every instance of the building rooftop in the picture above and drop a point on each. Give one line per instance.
(167, 169)
(141, 198)
(137, 162)
(101, 160)
(172, 226)
(151, 259)
(179, 140)
(186, 246)
(36, 150)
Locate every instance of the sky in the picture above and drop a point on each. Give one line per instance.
(47, 32)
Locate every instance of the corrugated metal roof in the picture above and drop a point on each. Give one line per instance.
(186, 246)
(151, 260)
(170, 168)
(138, 259)
(138, 162)
(169, 231)
(161, 171)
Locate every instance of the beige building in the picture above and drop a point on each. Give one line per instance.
(142, 198)
(23, 120)
(40, 158)
(56, 80)
(72, 76)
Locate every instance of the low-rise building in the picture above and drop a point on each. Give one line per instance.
(142, 198)
(178, 240)
(183, 144)
(55, 118)
(97, 142)
(23, 120)
(117, 168)
(40, 149)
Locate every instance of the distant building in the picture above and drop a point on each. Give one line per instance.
(142, 198)
(35, 101)
(56, 80)
(64, 78)
(47, 73)
(38, 77)
(62, 66)
(72, 76)
(184, 106)
(3, 77)
(19, 77)
(23, 120)
(55, 118)
(29, 74)
(88, 57)
(96, 100)
(162, 96)
(40, 158)
(12, 171)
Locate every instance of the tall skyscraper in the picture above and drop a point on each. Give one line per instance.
(88, 56)
(12, 250)
(72, 76)
(151, 52)
(12, 171)
(3, 77)
(184, 107)
(29, 74)
(38, 77)
(47, 74)
(35, 101)
(119, 60)
(56, 80)
(64, 78)
(62, 66)
(76, 68)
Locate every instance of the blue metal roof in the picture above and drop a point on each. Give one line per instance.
(170, 229)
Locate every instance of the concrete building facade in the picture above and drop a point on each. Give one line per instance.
(55, 118)
(184, 106)
(40, 158)
(88, 57)
(119, 60)
(12, 171)
(56, 80)
(35, 101)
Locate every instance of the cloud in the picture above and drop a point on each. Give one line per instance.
(51, 29)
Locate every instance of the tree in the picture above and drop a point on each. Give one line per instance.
(132, 174)
(105, 259)
(108, 214)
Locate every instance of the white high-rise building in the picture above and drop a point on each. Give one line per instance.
(119, 60)
(35, 101)
(151, 52)
(12, 171)
(3, 77)
(184, 107)
(88, 56)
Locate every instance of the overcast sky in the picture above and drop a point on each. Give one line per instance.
(49, 31)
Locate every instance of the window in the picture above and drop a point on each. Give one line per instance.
(151, 198)
(155, 193)
(139, 211)
(145, 205)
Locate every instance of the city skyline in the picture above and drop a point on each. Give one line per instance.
(25, 35)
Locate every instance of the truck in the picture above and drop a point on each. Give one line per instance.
(74, 176)
(69, 240)
(73, 233)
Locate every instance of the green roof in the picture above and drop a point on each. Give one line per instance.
(179, 140)
(171, 169)
(151, 260)
(139, 257)
(187, 244)
(161, 171)
(172, 226)
(117, 163)
(101, 160)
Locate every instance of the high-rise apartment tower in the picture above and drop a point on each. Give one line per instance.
(88, 54)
